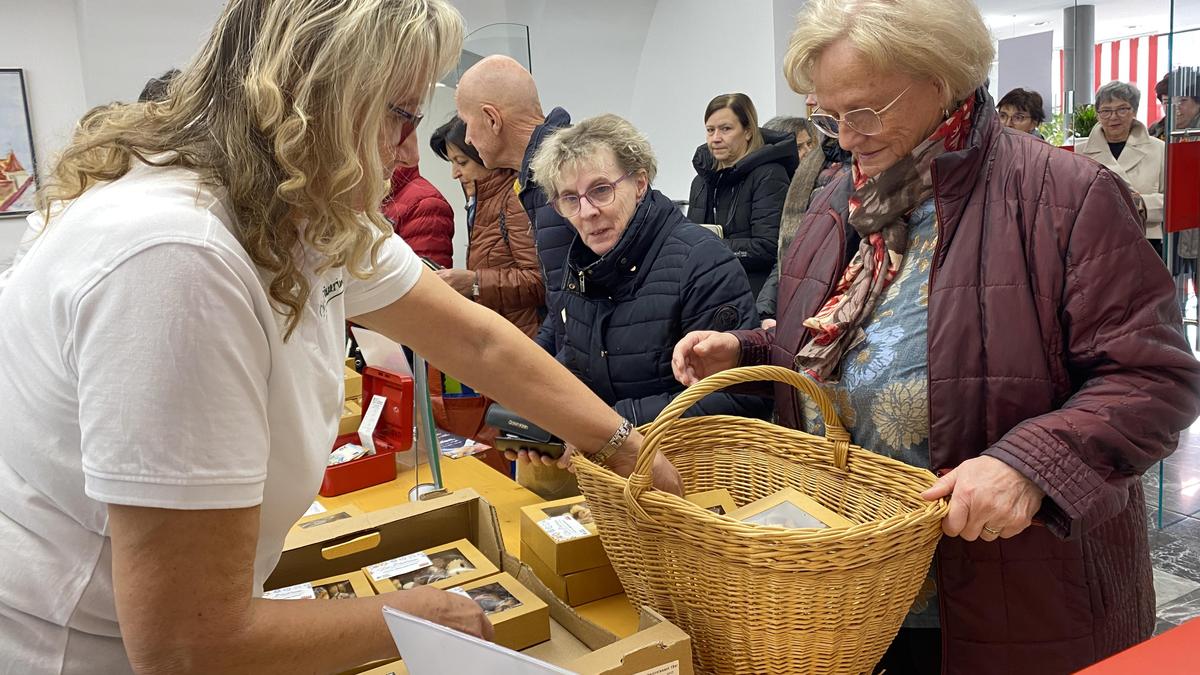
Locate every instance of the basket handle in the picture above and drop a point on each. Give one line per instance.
(639, 480)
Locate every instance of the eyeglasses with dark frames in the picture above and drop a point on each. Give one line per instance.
(408, 121)
(599, 195)
(866, 121)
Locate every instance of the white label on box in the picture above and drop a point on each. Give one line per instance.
(298, 592)
(315, 509)
(397, 566)
(460, 591)
(671, 668)
(563, 528)
(366, 429)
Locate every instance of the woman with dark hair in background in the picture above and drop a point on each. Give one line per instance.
(742, 177)
(502, 268)
(1022, 110)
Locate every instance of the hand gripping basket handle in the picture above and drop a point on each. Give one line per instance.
(639, 480)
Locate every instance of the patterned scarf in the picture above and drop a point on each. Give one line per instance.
(879, 206)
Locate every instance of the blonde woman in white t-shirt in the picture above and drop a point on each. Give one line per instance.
(170, 349)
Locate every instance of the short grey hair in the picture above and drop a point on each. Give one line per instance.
(1119, 91)
(790, 125)
(578, 145)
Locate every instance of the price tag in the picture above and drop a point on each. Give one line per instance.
(297, 592)
(460, 591)
(397, 566)
(366, 428)
(563, 528)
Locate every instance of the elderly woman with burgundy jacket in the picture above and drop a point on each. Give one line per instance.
(984, 305)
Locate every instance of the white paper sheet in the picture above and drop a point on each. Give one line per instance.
(380, 351)
(430, 649)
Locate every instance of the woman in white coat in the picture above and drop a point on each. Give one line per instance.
(1122, 143)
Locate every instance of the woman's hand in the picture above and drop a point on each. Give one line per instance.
(462, 281)
(768, 324)
(563, 461)
(988, 500)
(663, 474)
(445, 609)
(702, 353)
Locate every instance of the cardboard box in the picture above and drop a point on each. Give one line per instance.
(790, 508)
(577, 588)
(445, 566)
(342, 586)
(326, 517)
(521, 619)
(346, 545)
(562, 555)
(351, 418)
(354, 383)
(718, 501)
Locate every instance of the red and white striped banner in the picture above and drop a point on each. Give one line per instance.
(1140, 61)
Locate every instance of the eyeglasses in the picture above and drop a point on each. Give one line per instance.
(568, 206)
(1017, 118)
(408, 121)
(865, 121)
(1108, 113)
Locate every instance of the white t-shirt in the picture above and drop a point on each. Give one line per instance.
(142, 364)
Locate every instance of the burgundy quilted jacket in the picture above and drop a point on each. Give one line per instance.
(1055, 346)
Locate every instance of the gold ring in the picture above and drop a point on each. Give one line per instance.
(991, 531)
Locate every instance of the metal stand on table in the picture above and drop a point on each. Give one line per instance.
(426, 437)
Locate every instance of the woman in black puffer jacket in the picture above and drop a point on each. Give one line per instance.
(742, 178)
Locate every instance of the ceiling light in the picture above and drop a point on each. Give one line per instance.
(1039, 24)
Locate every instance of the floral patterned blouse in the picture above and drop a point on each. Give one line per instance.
(883, 394)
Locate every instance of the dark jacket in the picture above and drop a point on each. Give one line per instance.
(625, 311)
(502, 254)
(552, 233)
(1054, 346)
(421, 216)
(746, 200)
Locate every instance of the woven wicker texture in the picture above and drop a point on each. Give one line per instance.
(761, 599)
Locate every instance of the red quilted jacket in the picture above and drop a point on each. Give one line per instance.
(421, 215)
(1055, 346)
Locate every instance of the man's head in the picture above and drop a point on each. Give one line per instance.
(498, 100)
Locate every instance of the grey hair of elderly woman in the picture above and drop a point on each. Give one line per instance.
(1119, 91)
(942, 40)
(790, 125)
(579, 145)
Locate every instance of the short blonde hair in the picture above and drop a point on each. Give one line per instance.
(944, 40)
(578, 146)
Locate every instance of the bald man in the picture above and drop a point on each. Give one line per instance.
(498, 100)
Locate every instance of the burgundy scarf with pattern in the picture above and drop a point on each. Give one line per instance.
(879, 207)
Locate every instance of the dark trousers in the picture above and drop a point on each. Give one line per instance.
(915, 651)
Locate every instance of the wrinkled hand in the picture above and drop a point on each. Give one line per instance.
(702, 353)
(523, 456)
(461, 281)
(446, 609)
(986, 493)
(768, 324)
(663, 474)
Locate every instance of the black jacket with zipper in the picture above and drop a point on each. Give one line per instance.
(619, 316)
(746, 200)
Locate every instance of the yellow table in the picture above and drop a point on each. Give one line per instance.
(614, 614)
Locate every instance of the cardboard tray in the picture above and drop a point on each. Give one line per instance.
(562, 557)
(349, 544)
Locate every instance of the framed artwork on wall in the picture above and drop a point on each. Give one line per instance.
(18, 180)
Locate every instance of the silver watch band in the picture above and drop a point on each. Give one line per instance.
(619, 436)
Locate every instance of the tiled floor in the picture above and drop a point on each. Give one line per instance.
(1176, 547)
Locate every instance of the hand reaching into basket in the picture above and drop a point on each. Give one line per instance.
(988, 500)
(702, 353)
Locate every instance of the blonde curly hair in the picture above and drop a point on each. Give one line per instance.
(285, 107)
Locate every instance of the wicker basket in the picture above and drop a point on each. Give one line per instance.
(760, 599)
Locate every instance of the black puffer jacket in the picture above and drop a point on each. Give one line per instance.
(746, 199)
(552, 233)
(619, 316)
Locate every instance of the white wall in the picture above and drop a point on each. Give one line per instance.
(43, 43)
(1027, 62)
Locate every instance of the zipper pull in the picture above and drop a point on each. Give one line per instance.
(582, 284)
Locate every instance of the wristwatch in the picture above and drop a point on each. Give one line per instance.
(618, 438)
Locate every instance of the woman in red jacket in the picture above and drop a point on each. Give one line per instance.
(421, 215)
(983, 305)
